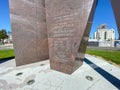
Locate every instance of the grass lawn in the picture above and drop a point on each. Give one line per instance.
(110, 55)
(4, 54)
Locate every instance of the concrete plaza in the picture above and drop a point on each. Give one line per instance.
(94, 74)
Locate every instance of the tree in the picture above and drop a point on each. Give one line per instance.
(3, 35)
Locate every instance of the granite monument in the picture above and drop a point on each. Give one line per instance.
(28, 21)
(68, 26)
(53, 29)
(116, 10)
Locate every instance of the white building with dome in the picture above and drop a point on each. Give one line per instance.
(104, 34)
(103, 37)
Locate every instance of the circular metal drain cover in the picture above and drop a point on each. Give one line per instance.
(110, 63)
(18, 74)
(30, 82)
(89, 78)
(42, 64)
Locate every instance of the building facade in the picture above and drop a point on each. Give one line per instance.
(104, 34)
(103, 37)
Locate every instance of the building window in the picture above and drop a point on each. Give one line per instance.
(105, 35)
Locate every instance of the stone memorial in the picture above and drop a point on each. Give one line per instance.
(28, 21)
(55, 29)
(68, 26)
(84, 41)
(116, 9)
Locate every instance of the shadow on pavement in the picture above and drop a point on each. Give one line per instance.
(6, 59)
(112, 79)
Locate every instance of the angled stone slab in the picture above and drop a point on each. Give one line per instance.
(66, 26)
(84, 41)
(29, 31)
(116, 9)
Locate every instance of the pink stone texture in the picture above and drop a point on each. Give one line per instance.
(58, 29)
(28, 21)
(116, 9)
(68, 26)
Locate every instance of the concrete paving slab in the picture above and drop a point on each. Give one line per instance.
(39, 76)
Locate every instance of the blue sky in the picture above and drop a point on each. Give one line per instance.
(4, 15)
(103, 14)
